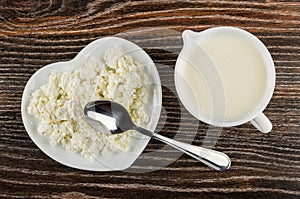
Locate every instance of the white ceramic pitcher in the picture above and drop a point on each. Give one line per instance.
(209, 72)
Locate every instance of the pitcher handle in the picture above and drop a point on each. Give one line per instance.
(262, 123)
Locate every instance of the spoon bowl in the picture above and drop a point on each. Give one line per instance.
(112, 118)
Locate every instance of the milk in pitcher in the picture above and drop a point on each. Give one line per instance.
(242, 72)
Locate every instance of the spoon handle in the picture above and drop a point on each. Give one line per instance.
(211, 158)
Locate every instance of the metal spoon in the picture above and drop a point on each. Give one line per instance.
(112, 118)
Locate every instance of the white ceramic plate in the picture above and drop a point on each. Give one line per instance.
(117, 161)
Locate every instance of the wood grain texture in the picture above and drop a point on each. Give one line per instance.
(36, 33)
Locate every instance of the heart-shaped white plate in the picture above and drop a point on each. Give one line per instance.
(117, 161)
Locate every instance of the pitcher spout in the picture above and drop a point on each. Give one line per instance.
(190, 36)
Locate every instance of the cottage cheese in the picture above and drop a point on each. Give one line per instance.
(58, 104)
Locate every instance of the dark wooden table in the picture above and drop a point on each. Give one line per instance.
(36, 33)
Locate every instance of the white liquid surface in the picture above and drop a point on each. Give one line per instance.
(241, 69)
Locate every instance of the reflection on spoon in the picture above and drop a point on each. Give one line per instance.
(109, 122)
(114, 118)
